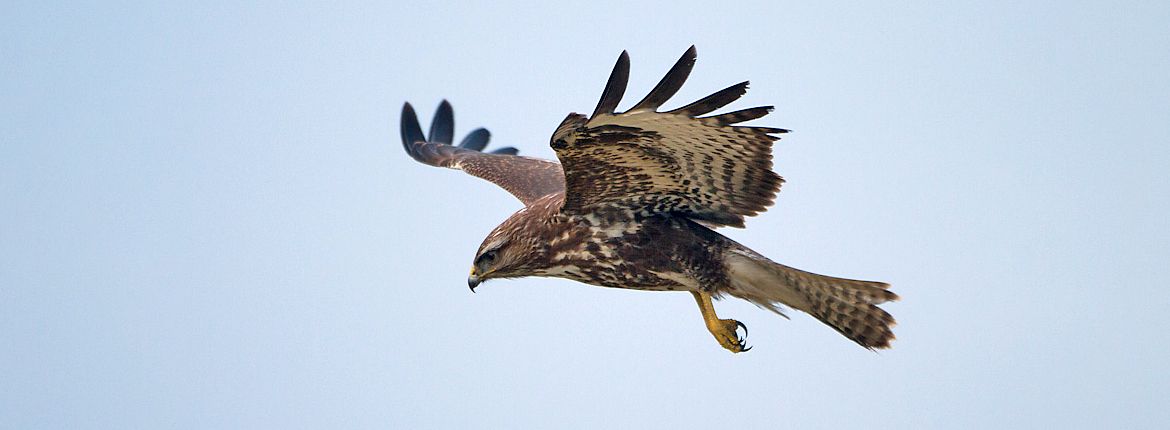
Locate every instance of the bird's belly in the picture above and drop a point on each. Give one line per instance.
(625, 276)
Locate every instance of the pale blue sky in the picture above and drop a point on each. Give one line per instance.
(207, 220)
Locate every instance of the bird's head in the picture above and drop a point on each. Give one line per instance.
(510, 251)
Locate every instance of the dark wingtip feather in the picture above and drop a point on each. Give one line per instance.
(708, 104)
(741, 115)
(615, 87)
(410, 129)
(773, 130)
(670, 84)
(476, 140)
(443, 124)
(507, 150)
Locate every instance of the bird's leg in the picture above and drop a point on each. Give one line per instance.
(725, 331)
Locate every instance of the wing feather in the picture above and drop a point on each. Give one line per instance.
(443, 124)
(741, 115)
(615, 87)
(476, 140)
(648, 162)
(507, 150)
(708, 104)
(670, 84)
(526, 178)
(410, 129)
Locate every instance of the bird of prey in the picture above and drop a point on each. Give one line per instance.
(634, 201)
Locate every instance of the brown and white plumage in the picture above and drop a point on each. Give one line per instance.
(704, 168)
(631, 201)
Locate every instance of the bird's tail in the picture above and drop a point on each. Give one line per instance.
(848, 306)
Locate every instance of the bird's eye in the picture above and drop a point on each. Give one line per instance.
(487, 258)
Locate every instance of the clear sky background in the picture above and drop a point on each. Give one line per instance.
(207, 219)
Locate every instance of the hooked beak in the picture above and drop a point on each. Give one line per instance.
(473, 280)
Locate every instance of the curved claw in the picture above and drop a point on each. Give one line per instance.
(742, 340)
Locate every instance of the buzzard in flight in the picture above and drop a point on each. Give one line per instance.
(633, 202)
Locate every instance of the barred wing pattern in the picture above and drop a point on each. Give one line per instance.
(703, 167)
(526, 178)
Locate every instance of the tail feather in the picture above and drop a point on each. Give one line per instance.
(847, 305)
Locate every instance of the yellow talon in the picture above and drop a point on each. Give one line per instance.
(724, 330)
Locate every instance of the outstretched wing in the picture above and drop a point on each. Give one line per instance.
(526, 178)
(645, 161)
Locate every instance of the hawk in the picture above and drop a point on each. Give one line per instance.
(634, 201)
